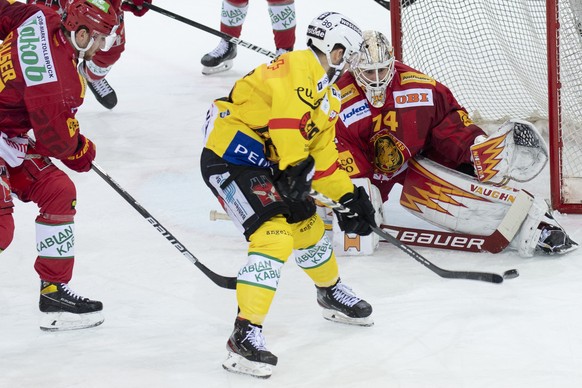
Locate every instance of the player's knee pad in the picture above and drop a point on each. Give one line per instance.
(351, 244)
(55, 237)
(269, 248)
(234, 12)
(282, 14)
(312, 247)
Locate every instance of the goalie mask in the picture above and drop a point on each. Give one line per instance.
(373, 67)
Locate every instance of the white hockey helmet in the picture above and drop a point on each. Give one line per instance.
(373, 66)
(330, 29)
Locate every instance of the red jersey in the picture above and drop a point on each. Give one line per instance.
(40, 88)
(420, 116)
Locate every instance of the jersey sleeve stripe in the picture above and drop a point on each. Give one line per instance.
(326, 173)
(284, 123)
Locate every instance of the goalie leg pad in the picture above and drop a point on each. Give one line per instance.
(453, 200)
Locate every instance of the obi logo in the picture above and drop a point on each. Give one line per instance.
(355, 112)
(413, 97)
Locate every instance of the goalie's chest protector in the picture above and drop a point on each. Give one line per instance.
(416, 109)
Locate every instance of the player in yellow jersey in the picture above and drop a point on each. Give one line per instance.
(266, 145)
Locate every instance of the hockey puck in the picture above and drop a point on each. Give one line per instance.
(510, 274)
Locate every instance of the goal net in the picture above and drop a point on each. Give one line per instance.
(506, 59)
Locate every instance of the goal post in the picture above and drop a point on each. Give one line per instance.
(502, 59)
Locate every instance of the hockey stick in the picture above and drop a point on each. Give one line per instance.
(219, 280)
(212, 31)
(483, 276)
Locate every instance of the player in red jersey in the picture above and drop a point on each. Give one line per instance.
(394, 118)
(95, 69)
(233, 15)
(40, 89)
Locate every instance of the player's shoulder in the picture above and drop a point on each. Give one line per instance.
(350, 92)
(407, 76)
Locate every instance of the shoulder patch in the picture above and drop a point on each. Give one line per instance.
(355, 112)
(349, 92)
(412, 77)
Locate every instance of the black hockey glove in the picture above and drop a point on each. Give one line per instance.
(295, 181)
(359, 203)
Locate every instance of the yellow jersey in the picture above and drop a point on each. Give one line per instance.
(280, 113)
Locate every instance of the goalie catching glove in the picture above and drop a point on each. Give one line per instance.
(360, 218)
(515, 151)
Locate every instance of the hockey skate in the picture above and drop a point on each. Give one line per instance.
(104, 93)
(62, 309)
(219, 59)
(554, 240)
(247, 353)
(340, 304)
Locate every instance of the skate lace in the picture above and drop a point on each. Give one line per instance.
(70, 292)
(344, 295)
(220, 50)
(102, 87)
(255, 337)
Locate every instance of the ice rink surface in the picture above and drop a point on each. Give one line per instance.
(167, 324)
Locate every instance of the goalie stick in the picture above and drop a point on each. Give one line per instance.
(212, 31)
(219, 280)
(448, 274)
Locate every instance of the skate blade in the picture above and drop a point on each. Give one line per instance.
(224, 66)
(63, 321)
(336, 316)
(236, 363)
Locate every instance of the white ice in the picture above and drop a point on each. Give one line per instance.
(167, 324)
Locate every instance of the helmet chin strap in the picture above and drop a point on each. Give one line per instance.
(76, 45)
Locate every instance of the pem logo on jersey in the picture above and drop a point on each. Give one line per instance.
(413, 97)
(247, 151)
(349, 92)
(418, 78)
(355, 112)
(34, 51)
